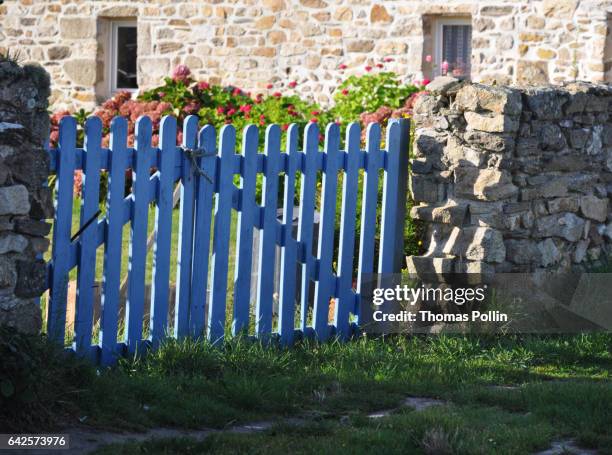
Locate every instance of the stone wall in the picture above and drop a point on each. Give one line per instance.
(24, 198)
(511, 179)
(250, 43)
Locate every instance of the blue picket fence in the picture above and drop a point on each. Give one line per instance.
(205, 174)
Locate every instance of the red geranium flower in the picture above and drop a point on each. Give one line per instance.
(345, 91)
(388, 59)
(379, 65)
(342, 66)
(277, 94)
(285, 127)
(203, 85)
(220, 110)
(292, 84)
(269, 86)
(231, 112)
(368, 68)
(315, 113)
(314, 120)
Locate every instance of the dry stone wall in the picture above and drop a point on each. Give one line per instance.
(250, 43)
(510, 179)
(25, 200)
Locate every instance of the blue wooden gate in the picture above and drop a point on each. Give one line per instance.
(204, 170)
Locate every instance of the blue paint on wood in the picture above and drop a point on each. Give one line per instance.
(134, 306)
(369, 203)
(160, 288)
(86, 276)
(185, 234)
(203, 218)
(325, 286)
(244, 230)
(308, 187)
(56, 322)
(350, 186)
(265, 274)
(222, 226)
(111, 280)
(288, 264)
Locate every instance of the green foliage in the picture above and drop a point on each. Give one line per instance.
(366, 93)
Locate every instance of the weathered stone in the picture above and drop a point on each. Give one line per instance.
(490, 141)
(563, 204)
(8, 274)
(14, 200)
(77, 27)
(476, 97)
(523, 252)
(31, 278)
(422, 265)
(551, 137)
(566, 225)
(476, 244)
(483, 184)
(12, 243)
(360, 46)
(448, 214)
(532, 73)
(580, 251)
(81, 71)
(58, 52)
(594, 208)
(426, 189)
(457, 154)
(560, 8)
(499, 123)
(379, 13)
(30, 226)
(313, 3)
(442, 84)
(549, 253)
(545, 103)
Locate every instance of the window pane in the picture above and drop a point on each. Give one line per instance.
(457, 49)
(126, 57)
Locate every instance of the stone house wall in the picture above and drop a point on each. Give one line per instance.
(250, 43)
(512, 180)
(25, 200)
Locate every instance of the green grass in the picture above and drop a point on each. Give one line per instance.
(564, 390)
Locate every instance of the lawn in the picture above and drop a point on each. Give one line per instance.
(553, 388)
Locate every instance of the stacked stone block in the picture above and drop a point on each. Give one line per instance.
(513, 180)
(25, 201)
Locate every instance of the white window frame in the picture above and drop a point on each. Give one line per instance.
(114, 28)
(439, 37)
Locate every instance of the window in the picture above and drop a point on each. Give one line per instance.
(123, 53)
(453, 47)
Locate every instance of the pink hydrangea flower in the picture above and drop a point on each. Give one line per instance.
(203, 85)
(181, 73)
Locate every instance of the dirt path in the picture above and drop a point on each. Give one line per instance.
(84, 440)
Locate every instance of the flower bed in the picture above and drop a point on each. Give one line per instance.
(372, 97)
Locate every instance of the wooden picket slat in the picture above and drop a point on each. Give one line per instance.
(267, 237)
(185, 234)
(368, 204)
(350, 186)
(221, 234)
(160, 286)
(56, 325)
(113, 241)
(205, 190)
(134, 306)
(325, 286)
(244, 230)
(308, 187)
(83, 320)
(286, 312)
